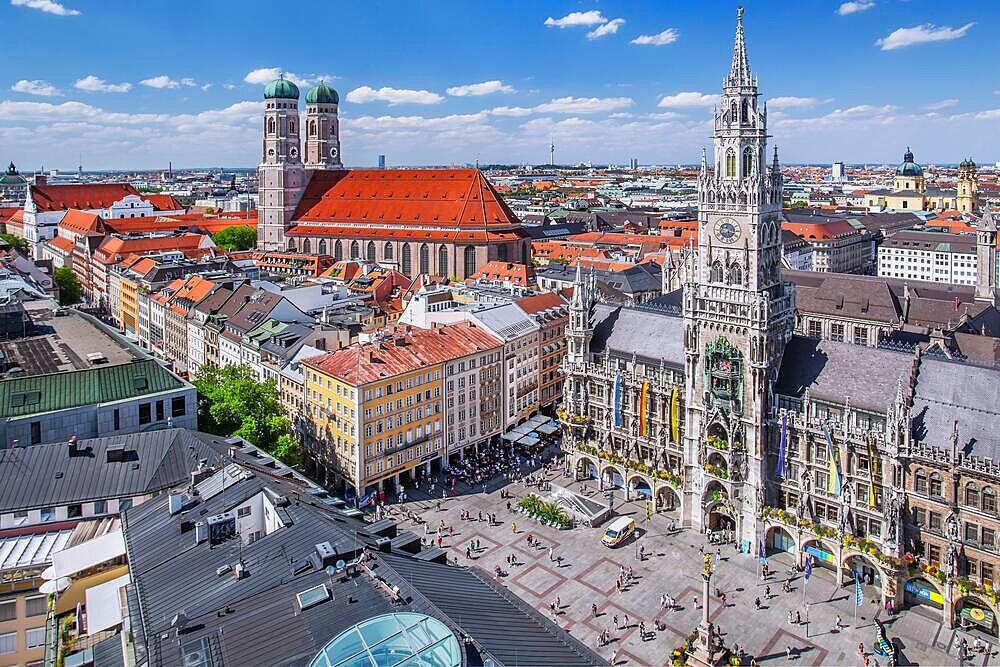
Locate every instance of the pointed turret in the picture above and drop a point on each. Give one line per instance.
(739, 70)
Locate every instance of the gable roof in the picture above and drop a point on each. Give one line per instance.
(158, 460)
(450, 198)
(89, 196)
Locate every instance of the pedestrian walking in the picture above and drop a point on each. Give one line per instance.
(614, 618)
(696, 605)
(756, 603)
(468, 553)
(625, 621)
(788, 652)
(551, 554)
(723, 600)
(513, 529)
(798, 618)
(593, 610)
(791, 618)
(642, 630)
(838, 622)
(767, 592)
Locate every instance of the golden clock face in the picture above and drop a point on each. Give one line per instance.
(727, 231)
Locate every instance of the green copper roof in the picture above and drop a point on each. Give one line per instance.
(322, 94)
(909, 167)
(281, 88)
(101, 384)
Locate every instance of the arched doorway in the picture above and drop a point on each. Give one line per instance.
(612, 479)
(921, 592)
(779, 540)
(639, 487)
(822, 556)
(866, 570)
(974, 613)
(718, 516)
(667, 499)
(586, 469)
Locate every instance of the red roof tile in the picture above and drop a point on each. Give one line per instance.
(62, 243)
(411, 234)
(81, 222)
(65, 197)
(163, 202)
(407, 349)
(423, 197)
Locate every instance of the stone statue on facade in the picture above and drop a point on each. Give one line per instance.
(951, 524)
(890, 531)
(951, 561)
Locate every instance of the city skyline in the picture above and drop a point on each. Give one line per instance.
(597, 79)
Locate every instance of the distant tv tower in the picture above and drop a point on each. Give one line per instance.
(79, 168)
(552, 152)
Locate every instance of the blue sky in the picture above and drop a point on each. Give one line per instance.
(133, 85)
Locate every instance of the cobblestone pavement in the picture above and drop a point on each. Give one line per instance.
(588, 572)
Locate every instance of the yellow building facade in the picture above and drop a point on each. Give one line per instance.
(910, 192)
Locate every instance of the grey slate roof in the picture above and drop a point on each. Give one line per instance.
(652, 336)
(949, 391)
(835, 372)
(46, 475)
(256, 620)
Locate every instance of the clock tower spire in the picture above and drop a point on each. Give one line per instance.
(738, 313)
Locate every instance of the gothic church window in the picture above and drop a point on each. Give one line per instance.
(732, 113)
(716, 273)
(747, 161)
(470, 261)
(338, 251)
(270, 126)
(425, 259)
(371, 251)
(387, 251)
(306, 246)
(355, 250)
(407, 263)
(322, 246)
(291, 127)
(443, 261)
(730, 163)
(502, 253)
(312, 128)
(744, 112)
(735, 275)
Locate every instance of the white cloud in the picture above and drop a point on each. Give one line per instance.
(47, 6)
(664, 115)
(855, 7)
(162, 81)
(668, 36)
(584, 104)
(206, 86)
(187, 81)
(609, 28)
(229, 86)
(689, 99)
(484, 88)
(511, 111)
(943, 104)
(592, 17)
(990, 114)
(921, 34)
(392, 96)
(36, 87)
(265, 75)
(790, 101)
(93, 84)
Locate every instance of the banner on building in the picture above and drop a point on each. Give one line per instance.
(780, 472)
(675, 408)
(643, 412)
(833, 478)
(617, 410)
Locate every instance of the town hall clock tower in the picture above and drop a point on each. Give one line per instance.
(738, 314)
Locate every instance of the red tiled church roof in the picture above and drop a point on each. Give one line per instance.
(458, 198)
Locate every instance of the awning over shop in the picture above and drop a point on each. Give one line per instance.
(548, 428)
(529, 440)
(983, 617)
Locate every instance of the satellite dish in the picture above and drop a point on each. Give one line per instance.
(331, 570)
(341, 565)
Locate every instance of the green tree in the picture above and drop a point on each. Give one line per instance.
(16, 242)
(70, 289)
(237, 237)
(232, 402)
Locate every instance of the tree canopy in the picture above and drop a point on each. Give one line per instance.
(70, 289)
(237, 237)
(16, 242)
(232, 402)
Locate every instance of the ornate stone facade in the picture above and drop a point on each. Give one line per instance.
(876, 462)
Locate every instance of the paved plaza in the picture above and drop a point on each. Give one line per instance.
(588, 572)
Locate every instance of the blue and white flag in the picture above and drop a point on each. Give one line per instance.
(859, 595)
(618, 400)
(809, 569)
(780, 472)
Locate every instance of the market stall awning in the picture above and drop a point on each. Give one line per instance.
(530, 439)
(547, 429)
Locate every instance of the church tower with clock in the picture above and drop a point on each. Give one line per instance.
(738, 314)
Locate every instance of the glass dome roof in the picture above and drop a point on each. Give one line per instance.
(405, 639)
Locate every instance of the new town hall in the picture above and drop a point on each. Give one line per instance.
(878, 460)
